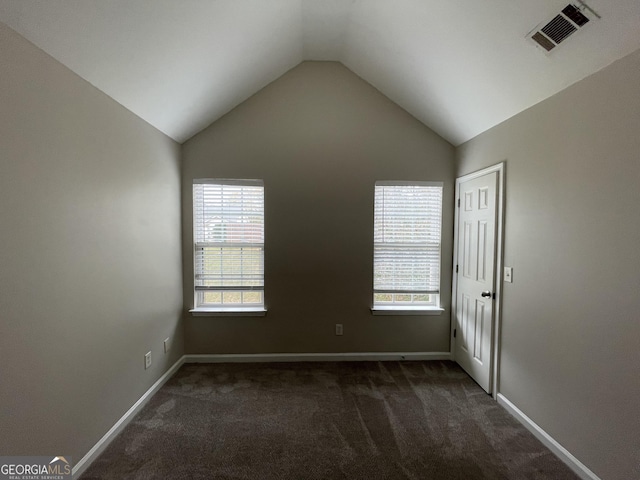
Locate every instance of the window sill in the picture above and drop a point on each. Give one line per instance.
(229, 312)
(389, 310)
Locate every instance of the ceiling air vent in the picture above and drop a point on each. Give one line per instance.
(571, 19)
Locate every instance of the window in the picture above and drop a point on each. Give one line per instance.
(407, 232)
(228, 230)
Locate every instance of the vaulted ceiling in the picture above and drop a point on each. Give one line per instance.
(459, 66)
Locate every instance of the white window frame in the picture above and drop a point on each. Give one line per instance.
(255, 284)
(413, 306)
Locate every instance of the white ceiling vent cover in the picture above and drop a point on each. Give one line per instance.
(548, 35)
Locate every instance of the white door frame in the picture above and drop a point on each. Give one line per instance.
(495, 345)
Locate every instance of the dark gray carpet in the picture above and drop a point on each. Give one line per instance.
(351, 420)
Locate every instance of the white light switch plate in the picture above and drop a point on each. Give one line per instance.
(147, 360)
(508, 274)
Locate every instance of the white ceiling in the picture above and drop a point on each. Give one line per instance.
(459, 66)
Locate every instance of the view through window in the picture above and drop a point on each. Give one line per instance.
(407, 238)
(228, 228)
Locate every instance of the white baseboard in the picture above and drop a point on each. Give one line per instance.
(562, 453)
(99, 447)
(316, 357)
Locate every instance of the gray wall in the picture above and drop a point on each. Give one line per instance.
(90, 263)
(571, 329)
(319, 137)
(90, 267)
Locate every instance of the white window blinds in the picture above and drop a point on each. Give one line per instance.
(228, 220)
(407, 233)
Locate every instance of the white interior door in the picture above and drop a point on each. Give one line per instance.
(475, 277)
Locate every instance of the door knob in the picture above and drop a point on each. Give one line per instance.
(486, 294)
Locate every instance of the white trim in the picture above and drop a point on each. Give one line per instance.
(229, 181)
(315, 357)
(558, 450)
(391, 310)
(229, 312)
(108, 437)
(497, 323)
(408, 183)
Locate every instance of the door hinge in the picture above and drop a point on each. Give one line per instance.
(455, 330)
(456, 268)
(458, 203)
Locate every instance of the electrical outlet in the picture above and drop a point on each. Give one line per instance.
(147, 360)
(338, 329)
(508, 274)
(166, 345)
